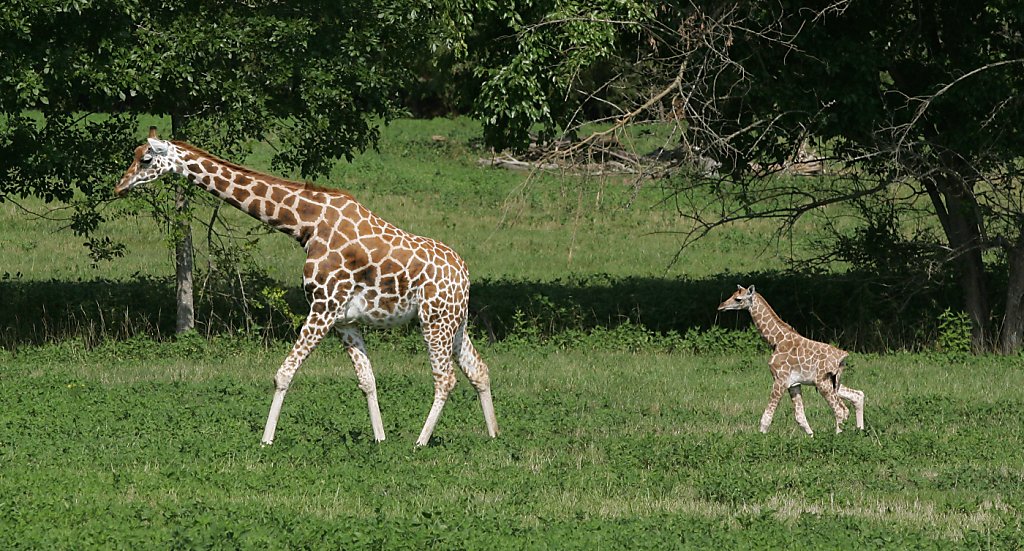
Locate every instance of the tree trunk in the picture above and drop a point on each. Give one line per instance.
(972, 281)
(957, 210)
(183, 262)
(1010, 334)
(183, 253)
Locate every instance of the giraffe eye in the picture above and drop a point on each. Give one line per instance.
(147, 158)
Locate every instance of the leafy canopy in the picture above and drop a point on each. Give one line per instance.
(313, 78)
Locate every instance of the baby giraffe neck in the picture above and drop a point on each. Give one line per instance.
(768, 323)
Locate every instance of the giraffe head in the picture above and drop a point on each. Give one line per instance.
(152, 159)
(742, 299)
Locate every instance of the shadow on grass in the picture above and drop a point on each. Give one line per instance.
(855, 311)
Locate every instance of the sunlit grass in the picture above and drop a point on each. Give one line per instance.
(569, 226)
(588, 435)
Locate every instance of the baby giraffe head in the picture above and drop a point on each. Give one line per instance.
(742, 299)
(152, 159)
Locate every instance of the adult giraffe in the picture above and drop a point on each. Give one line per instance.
(359, 269)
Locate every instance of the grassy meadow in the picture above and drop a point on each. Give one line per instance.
(628, 408)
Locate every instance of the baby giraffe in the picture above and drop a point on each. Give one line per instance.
(797, 360)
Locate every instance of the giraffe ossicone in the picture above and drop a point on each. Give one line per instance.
(797, 360)
(359, 270)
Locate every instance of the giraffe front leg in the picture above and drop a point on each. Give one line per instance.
(798, 410)
(857, 398)
(356, 349)
(316, 326)
(773, 402)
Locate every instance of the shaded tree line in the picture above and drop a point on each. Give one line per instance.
(914, 106)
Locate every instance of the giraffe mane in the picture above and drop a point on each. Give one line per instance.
(270, 178)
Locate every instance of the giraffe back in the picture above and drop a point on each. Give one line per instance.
(376, 273)
(800, 360)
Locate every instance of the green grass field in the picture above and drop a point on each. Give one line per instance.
(628, 417)
(156, 445)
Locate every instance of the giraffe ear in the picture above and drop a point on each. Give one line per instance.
(157, 146)
(750, 291)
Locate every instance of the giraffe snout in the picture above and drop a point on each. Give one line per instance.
(126, 183)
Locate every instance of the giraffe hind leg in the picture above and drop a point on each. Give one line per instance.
(356, 349)
(827, 386)
(439, 346)
(476, 371)
(857, 398)
(833, 378)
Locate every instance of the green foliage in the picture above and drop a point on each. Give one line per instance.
(526, 58)
(272, 299)
(954, 332)
(315, 79)
(718, 340)
(879, 245)
(749, 84)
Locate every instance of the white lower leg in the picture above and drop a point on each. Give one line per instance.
(488, 407)
(798, 410)
(432, 417)
(856, 397)
(375, 420)
(766, 420)
(275, 412)
(317, 324)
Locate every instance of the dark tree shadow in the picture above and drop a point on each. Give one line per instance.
(857, 311)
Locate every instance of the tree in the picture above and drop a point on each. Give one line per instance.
(918, 102)
(313, 78)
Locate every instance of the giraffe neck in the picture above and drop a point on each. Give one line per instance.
(290, 207)
(769, 324)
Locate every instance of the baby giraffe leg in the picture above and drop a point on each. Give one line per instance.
(798, 409)
(857, 398)
(827, 389)
(773, 402)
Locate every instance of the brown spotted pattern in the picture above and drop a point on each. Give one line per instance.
(359, 270)
(796, 361)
